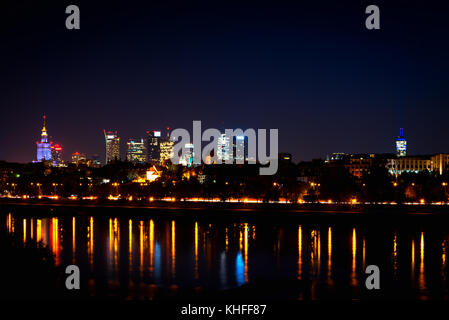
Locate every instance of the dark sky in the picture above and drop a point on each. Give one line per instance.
(309, 68)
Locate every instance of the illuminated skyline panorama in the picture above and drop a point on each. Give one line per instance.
(313, 71)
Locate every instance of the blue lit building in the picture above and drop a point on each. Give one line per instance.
(401, 144)
(44, 146)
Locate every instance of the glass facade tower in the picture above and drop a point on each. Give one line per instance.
(112, 146)
(136, 151)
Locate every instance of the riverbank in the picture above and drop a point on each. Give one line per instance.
(240, 208)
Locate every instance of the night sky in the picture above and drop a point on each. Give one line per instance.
(309, 68)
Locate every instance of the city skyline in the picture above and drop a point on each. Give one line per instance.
(67, 154)
(220, 157)
(157, 147)
(311, 70)
(147, 150)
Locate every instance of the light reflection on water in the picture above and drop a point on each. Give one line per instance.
(422, 279)
(354, 262)
(143, 255)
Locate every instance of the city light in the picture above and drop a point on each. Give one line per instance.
(156, 180)
(321, 125)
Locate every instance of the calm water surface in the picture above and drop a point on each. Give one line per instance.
(156, 256)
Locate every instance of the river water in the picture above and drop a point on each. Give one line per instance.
(148, 255)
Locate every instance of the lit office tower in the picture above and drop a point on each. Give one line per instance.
(239, 155)
(56, 155)
(223, 150)
(401, 144)
(43, 147)
(78, 158)
(154, 147)
(112, 146)
(136, 151)
(166, 148)
(187, 158)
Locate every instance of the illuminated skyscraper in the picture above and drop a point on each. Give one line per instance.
(401, 144)
(56, 155)
(223, 150)
(154, 147)
(78, 158)
(166, 152)
(136, 151)
(112, 146)
(44, 146)
(187, 158)
(239, 154)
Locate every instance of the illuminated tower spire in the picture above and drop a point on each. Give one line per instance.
(401, 144)
(44, 136)
(44, 147)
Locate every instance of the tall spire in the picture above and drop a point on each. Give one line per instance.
(44, 138)
(401, 144)
(44, 147)
(43, 128)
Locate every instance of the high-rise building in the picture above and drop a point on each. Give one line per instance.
(167, 133)
(239, 154)
(44, 146)
(401, 144)
(78, 157)
(223, 149)
(187, 158)
(166, 152)
(112, 146)
(136, 151)
(154, 147)
(56, 155)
